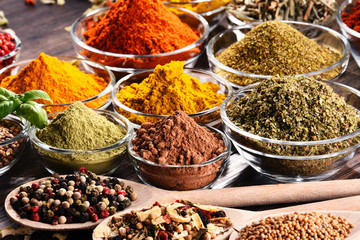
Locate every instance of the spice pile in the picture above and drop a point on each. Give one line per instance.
(199, 7)
(179, 140)
(318, 12)
(64, 82)
(8, 130)
(298, 226)
(352, 19)
(81, 128)
(275, 48)
(179, 220)
(74, 198)
(166, 90)
(139, 27)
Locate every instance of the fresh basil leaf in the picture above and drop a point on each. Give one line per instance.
(35, 94)
(6, 93)
(7, 107)
(3, 98)
(32, 112)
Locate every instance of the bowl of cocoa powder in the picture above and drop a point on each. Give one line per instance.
(176, 153)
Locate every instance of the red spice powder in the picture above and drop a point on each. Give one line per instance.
(140, 27)
(352, 20)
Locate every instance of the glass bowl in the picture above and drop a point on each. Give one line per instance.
(320, 34)
(100, 161)
(181, 177)
(210, 117)
(352, 36)
(320, 159)
(99, 101)
(12, 56)
(11, 150)
(122, 64)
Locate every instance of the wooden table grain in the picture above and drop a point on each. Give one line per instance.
(42, 29)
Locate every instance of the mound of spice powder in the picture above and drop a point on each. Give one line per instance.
(276, 48)
(169, 89)
(177, 140)
(140, 27)
(63, 81)
(80, 128)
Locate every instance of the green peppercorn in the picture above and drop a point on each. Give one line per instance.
(127, 202)
(112, 210)
(82, 208)
(50, 214)
(129, 190)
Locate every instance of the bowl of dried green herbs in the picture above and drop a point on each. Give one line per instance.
(253, 52)
(294, 128)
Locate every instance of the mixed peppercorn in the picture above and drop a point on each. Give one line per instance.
(7, 44)
(75, 198)
(179, 220)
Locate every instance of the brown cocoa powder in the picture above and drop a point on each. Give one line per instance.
(177, 140)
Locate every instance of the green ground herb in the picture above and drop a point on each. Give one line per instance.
(294, 109)
(275, 48)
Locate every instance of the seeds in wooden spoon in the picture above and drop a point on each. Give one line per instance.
(298, 226)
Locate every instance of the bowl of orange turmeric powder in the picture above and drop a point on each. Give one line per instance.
(64, 79)
(155, 94)
(138, 35)
(348, 19)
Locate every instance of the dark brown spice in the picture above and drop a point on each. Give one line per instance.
(8, 130)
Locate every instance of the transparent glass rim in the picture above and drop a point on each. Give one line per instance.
(106, 91)
(190, 2)
(117, 103)
(119, 55)
(17, 48)
(345, 51)
(23, 133)
(341, 23)
(224, 155)
(129, 132)
(236, 129)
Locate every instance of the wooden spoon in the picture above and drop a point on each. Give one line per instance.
(227, 197)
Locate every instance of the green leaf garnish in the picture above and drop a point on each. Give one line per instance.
(23, 106)
(32, 112)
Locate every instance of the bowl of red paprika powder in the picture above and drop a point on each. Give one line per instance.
(348, 19)
(163, 34)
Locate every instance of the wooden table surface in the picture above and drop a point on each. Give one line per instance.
(42, 29)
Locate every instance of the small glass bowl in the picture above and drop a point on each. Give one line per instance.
(259, 153)
(100, 161)
(181, 177)
(320, 34)
(210, 117)
(122, 64)
(352, 36)
(12, 56)
(100, 101)
(14, 152)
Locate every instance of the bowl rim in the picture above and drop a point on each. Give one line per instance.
(345, 50)
(224, 155)
(17, 48)
(80, 43)
(117, 102)
(341, 23)
(129, 132)
(238, 130)
(103, 93)
(22, 123)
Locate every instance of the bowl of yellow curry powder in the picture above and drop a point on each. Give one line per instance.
(257, 51)
(65, 79)
(155, 94)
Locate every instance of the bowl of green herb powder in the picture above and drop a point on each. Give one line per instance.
(253, 52)
(294, 129)
(82, 137)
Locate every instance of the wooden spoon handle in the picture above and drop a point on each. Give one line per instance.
(274, 194)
